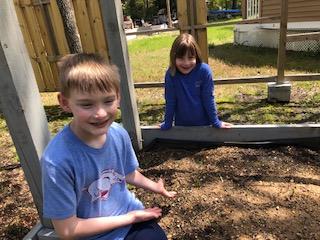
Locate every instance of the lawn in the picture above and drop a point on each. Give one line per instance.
(239, 104)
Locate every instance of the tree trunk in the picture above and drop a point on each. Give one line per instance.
(234, 4)
(70, 27)
(169, 14)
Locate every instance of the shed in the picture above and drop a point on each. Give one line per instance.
(260, 25)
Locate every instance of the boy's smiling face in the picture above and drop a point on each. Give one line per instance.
(93, 113)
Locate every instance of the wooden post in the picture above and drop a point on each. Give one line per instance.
(182, 14)
(118, 51)
(169, 14)
(21, 102)
(201, 34)
(244, 9)
(282, 41)
(191, 13)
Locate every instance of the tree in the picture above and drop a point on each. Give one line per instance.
(70, 26)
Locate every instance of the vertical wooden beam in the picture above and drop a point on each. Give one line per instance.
(201, 34)
(97, 28)
(83, 23)
(260, 2)
(244, 9)
(118, 51)
(169, 14)
(57, 26)
(21, 102)
(30, 47)
(282, 41)
(47, 37)
(192, 15)
(182, 14)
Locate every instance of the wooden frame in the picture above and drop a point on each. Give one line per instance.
(112, 18)
(21, 102)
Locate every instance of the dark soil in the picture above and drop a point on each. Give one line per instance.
(224, 192)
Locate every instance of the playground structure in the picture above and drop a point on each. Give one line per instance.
(25, 116)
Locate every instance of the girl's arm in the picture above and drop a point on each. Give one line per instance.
(208, 100)
(74, 227)
(170, 98)
(137, 179)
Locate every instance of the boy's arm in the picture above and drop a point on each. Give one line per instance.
(137, 179)
(74, 227)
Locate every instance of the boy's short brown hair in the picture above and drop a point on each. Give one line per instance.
(87, 72)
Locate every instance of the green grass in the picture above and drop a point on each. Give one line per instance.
(239, 104)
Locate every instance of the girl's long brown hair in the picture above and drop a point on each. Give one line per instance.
(182, 45)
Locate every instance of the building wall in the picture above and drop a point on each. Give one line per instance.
(298, 10)
(267, 35)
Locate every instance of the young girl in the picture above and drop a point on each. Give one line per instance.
(189, 88)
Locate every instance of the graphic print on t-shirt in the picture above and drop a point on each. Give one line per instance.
(100, 188)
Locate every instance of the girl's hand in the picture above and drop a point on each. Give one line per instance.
(163, 191)
(145, 214)
(164, 126)
(226, 125)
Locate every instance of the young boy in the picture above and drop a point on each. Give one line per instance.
(86, 166)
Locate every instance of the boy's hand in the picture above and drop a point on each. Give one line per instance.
(145, 214)
(163, 191)
(226, 125)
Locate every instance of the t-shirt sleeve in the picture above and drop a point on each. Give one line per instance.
(59, 198)
(207, 96)
(170, 98)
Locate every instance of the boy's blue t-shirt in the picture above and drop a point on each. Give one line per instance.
(189, 98)
(87, 182)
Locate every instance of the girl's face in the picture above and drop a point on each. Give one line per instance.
(186, 63)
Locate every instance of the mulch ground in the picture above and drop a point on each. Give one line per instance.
(224, 192)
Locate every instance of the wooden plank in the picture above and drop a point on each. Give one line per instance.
(282, 42)
(39, 47)
(118, 50)
(47, 37)
(291, 3)
(303, 37)
(21, 102)
(244, 9)
(294, 11)
(243, 80)
(57, 26)
(191, 16)
(182, 14)
(238, 134)
(97, 28)
(29, 45)
(83, 23)
(201, 34)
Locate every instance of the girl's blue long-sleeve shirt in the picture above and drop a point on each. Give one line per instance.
(189, 98)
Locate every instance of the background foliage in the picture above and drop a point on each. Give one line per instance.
(146, 9)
